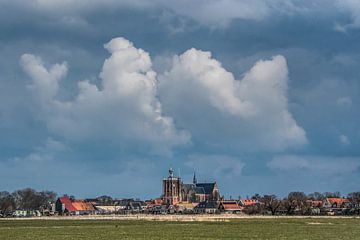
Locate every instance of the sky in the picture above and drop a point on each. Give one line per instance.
(103, 97)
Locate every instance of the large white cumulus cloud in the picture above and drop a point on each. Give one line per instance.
(123, 110)
(131, 108)
(251, 113)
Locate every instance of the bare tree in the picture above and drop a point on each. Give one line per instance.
(7, 203)
(256, 196)
(271, 203)
(254, 209)
(316, 196)
(296, 203)
(105, 200)
(332, 194)
(355, 199)
(29, 199)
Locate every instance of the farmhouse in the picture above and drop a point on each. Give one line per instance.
(65, 205)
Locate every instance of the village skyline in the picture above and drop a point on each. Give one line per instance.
(178, 197)
(101, 97)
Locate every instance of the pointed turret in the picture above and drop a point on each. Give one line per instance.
(194, 179)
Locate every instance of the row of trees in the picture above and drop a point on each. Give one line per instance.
(294, 203)
(25, 199)
(297, 203)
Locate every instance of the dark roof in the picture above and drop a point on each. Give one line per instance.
(208, 187)
(136, 204)
(192, 187)
(203, 205)
(199, 190)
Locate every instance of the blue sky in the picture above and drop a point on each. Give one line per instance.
(101, 97)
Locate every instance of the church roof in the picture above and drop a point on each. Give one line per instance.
(208, 187)
(192, 187)
(199, 190)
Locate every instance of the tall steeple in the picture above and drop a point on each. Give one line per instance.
(172, 188)
(194, 179)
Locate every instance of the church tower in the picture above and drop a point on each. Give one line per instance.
(194, 179)
(172, 189)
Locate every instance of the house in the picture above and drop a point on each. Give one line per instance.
(65, 205)
(154, 206)
(83, 208)
(48, 210)
(207, 207)
(186, 207)
(336, 206)
(230, 207)
(315, 206)
(26, 213)
(158, 209)
(136, 206)
(336, 203)
(122, 203)
(107, 209)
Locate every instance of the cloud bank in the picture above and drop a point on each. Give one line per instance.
(210, 13)
(197, 95)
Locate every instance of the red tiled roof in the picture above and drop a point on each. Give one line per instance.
(83, 206)
(232, 206)
(248, 202)
(338, 201)
(68, 204)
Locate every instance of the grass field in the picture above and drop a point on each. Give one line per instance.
(283, 228)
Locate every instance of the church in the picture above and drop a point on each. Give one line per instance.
(175, 191)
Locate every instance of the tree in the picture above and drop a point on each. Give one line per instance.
(45, 198)
(105, 200)
(7, 203)
(316, 196)
(296, 202)
(271, 203)
(29, 199)
(256, 196)
(354, 197)
(332, 194)
(254, 209)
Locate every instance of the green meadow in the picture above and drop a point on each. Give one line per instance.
(280, 228)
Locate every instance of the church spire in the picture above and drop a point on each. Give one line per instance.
(171, 173)
(194, 179)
